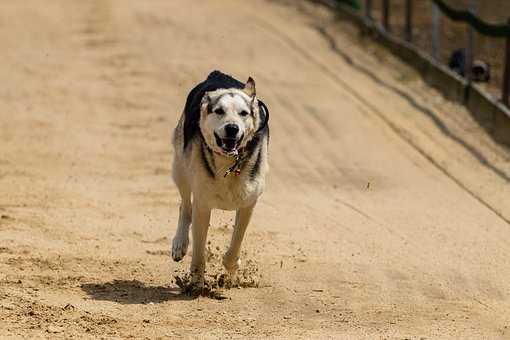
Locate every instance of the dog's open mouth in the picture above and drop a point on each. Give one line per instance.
(228, 145)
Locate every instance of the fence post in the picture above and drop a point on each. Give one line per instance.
(368, 9)
(506, 75)
(470, 50)
(386, 14)
(436, 23)
(409, 21)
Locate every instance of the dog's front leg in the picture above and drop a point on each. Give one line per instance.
(201, 216)
(181, 238)
(231, 259)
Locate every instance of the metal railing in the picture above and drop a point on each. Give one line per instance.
(501, 31)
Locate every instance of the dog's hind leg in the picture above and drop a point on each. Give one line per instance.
(201, 216)
(231, 259)
(181, 239)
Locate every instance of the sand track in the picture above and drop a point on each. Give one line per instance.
(387, 209)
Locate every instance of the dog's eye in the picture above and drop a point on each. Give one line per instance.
(243, 113)
(219, 111)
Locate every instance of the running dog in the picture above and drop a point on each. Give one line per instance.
(220, 162)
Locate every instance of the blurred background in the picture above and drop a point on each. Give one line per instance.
(453, 35)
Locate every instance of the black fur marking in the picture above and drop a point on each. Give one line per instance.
(262, 132)
(205, 159)
(256, 167)
(216, 80)
(253, 145)
(264, 117)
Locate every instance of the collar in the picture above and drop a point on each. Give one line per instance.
(238, 159)
(235, 168)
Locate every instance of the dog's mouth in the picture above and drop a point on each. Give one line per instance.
(228, 146)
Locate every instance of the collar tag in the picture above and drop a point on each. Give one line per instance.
(236, 167)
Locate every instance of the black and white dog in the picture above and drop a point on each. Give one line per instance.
(220, 162)
(480, 72)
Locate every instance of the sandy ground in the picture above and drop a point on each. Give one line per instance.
(387, 210)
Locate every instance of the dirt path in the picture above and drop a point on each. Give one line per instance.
(386, 215)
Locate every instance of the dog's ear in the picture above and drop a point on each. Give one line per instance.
(206, 101)
(249, 87)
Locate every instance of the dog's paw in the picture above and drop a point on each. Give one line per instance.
(231, 263)
(179, 248)
(197, 280)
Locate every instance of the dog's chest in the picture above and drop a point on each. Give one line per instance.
(218, 191)
(233, 192)
(228, 193)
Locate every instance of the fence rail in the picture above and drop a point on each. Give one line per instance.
(491, 30)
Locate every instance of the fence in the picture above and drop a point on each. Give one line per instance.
(411, 33)
(468, 18)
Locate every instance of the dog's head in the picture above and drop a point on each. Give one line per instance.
(229, 118)
(481, 71)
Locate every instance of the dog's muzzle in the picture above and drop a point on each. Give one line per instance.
(229, 145)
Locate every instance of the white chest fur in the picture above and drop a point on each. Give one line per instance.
(230, 192)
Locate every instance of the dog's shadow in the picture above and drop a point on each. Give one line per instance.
(132, 292)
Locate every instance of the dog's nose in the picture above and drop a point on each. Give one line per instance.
(231, 130)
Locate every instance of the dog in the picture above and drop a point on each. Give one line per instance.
(480, 72)
(220, 162)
